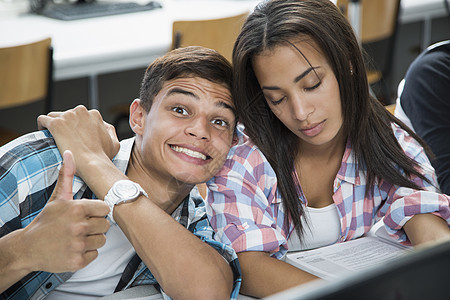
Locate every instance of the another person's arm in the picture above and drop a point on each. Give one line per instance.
(184, 266)
(64, 236)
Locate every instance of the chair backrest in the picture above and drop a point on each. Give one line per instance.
(218, 34)
(26, 74)
(379, 23)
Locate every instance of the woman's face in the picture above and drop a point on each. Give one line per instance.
(304, 96)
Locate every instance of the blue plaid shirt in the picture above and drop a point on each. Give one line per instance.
(29, 168)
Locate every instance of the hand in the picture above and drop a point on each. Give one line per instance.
(83, 132)
(66, 234)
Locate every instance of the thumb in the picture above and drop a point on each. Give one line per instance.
(63, 188)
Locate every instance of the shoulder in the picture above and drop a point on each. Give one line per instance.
(29, 167)
(36, 148)
(431, 61)
(245, 155)
(410, 145)
(245, 151)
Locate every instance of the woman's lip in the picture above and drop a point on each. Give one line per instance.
(313, 130)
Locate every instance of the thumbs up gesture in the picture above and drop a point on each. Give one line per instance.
(66, 234)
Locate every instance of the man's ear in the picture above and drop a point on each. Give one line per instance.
(235, 139)
(137, 117)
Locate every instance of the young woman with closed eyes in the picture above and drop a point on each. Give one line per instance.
(319, 160)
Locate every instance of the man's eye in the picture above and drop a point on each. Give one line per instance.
(220, 122)
(180, 110)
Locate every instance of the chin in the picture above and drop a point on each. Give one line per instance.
(192, 178)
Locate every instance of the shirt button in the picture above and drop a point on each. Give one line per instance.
(48, 285)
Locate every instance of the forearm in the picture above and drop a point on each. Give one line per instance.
(171, 252)
(263, 275)
(99, 173)
(425, 228)
(13, 260)
(184, 266)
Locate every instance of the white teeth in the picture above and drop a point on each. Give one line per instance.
(189, 152)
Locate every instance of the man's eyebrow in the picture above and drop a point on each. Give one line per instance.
(223, 104)
(296, 79)
(178, 90)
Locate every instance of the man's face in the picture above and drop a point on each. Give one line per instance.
(188, 130)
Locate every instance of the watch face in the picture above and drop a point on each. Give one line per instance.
(126, 189)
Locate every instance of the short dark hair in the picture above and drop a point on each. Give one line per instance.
(193, 61)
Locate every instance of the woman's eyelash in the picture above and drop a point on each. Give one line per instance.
(277, 101)
(313, 87)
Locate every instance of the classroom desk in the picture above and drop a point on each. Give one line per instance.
(89, 47)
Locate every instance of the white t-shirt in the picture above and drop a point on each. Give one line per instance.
(102, 275)
(324, 229)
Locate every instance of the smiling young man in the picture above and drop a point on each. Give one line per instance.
(184, 124)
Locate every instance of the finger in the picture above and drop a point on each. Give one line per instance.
(95, 241)
(94, 207)
(63, 188)
(113, 134)
(88, 257)
(42, 122)
(97, 225)
(55, 114)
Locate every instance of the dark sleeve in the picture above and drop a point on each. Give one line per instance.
(426, 101)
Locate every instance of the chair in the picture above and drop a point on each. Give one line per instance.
(390, 108)
(26, 76)
(218, 34)
(379, 24)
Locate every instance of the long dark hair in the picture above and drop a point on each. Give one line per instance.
(366, 122)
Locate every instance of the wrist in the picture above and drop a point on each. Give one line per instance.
(89, 165)
(100, 175)
(17, 256)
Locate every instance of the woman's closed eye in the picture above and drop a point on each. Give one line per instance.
(311, 88)
(276, 102)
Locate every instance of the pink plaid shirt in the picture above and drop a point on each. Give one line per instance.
(244, 205)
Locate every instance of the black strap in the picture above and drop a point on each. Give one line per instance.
(128, 273)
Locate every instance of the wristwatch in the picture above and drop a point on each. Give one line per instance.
(122, 191)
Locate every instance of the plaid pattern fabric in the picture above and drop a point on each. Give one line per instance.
(29, 168)
(244, 205)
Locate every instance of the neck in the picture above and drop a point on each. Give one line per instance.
(165, 192)
(324, 153)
